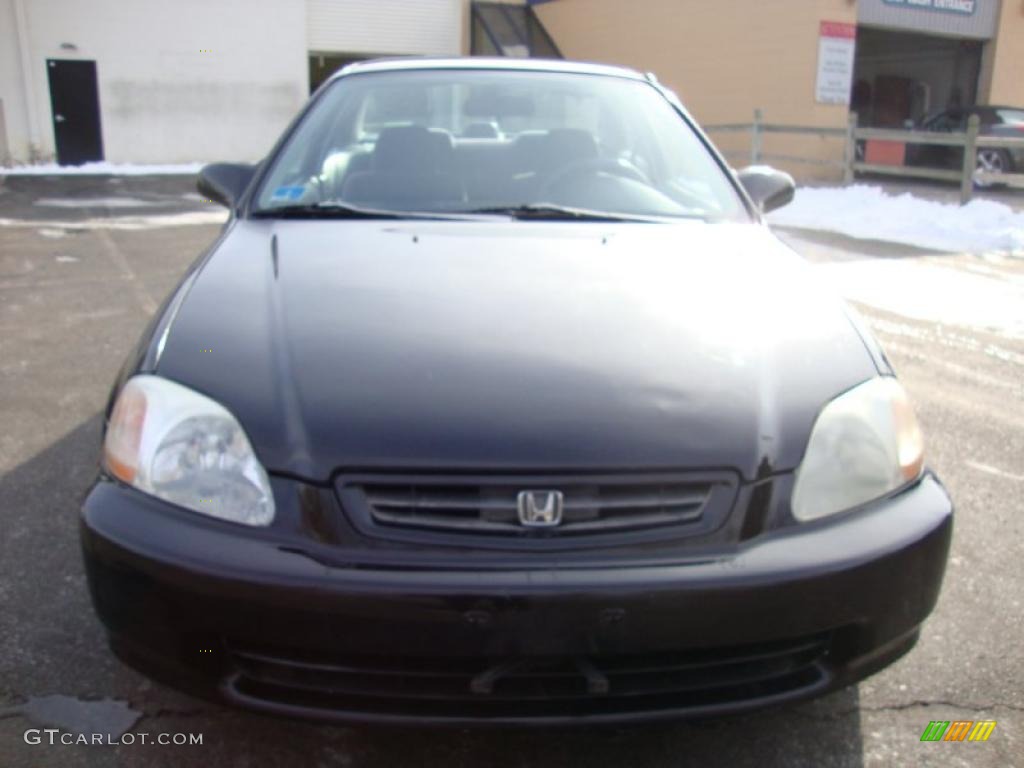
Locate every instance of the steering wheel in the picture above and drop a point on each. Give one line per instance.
(590, 166)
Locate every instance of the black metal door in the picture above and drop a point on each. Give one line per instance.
(75, 102)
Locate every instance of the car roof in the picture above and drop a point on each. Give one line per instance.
(413, 63)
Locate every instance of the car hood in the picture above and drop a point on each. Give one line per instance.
(455, 345)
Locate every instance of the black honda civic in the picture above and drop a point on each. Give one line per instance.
(496, 401)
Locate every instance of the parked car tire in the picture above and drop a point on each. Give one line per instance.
(997, 160)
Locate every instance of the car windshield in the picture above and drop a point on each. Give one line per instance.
(495, 141)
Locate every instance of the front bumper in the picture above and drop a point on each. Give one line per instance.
(794, 613)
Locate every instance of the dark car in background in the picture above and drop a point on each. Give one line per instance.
(497, 401)
(994, 121)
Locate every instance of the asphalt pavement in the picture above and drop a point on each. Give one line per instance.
(84, 261)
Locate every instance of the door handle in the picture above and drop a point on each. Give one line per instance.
(58, 118)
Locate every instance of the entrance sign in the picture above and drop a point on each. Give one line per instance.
(836, 43)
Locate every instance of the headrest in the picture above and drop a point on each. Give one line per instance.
(571, 144)
(481, 131)
(412, 149)
(554, 149)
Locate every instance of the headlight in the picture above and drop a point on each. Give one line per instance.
(865, 444)
(183, 447)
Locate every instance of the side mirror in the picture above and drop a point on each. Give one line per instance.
(224, 183)
(767, 187)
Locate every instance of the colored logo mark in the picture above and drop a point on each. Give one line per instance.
(958, 730)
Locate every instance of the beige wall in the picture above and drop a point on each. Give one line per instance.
(723, 58)
(1002, 79)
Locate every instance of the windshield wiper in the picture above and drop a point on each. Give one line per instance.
(551, 212)
(343, 211)
(533, 211)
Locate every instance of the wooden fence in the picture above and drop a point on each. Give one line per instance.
(851, 136)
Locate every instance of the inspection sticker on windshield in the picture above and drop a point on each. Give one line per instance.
(288, 193)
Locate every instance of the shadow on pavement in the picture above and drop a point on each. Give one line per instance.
(881, 249)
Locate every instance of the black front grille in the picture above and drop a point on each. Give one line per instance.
(524, 688)
(484, 509)
(489, 506)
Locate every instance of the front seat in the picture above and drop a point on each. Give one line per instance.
(540, 156)
(411, 168)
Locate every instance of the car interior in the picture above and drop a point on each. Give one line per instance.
(454, 148)
(413, 165)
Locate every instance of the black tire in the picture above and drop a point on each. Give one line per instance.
(994, 160)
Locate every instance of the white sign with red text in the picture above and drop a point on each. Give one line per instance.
(836, 43)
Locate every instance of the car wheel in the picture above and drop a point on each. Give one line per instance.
(991, 161)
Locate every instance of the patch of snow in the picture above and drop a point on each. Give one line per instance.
(52, 233)
(67, 259)
(105, 716)
(93, 202)
(945, 337)
(926, 290)
(869, 213)
(104, 168)
(153, 221)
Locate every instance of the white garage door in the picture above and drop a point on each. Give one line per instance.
(385, 26)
